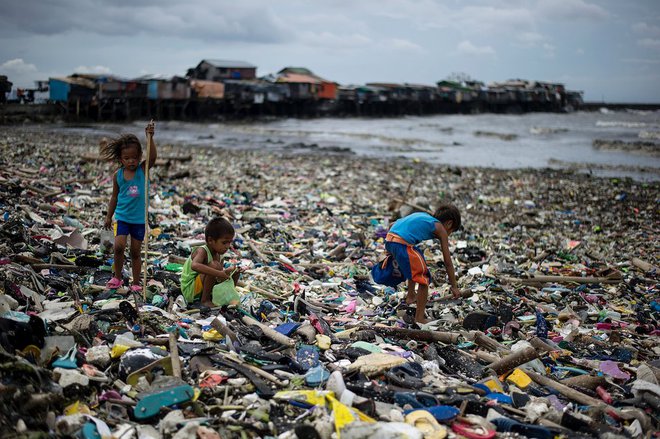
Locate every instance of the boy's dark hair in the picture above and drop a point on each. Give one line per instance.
(448, 212)
(217, 228)
(111, 151)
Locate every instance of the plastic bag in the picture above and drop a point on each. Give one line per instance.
(225, 293)
(107, 240)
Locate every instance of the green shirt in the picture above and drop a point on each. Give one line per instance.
(188, 275)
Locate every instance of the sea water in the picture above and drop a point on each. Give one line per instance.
(533, 140)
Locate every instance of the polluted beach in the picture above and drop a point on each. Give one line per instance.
(309, 220)
(554, 334)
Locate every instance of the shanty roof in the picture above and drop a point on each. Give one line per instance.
(296, 70)
(300, 71)
(228, 64)
(297, 78)
(83, 82)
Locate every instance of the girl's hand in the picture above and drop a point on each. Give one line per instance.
(150, 129)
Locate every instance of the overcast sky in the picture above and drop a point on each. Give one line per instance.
(610, 49)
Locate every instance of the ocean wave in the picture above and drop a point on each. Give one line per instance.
(648, 148)
(620, 123)
(649, 135)
(546, 130)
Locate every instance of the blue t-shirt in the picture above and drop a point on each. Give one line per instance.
(130, 199)
(415, 228)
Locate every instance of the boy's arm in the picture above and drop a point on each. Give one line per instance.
(199, 264)
(113, 202)
(441, 234)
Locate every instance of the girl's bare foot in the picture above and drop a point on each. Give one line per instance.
(411, 299)
(208, 304)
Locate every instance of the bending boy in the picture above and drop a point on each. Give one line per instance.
(401, 243)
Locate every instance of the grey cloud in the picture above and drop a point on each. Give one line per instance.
(572, 10)
(206, 20)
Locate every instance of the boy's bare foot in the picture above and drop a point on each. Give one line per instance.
(421, 319)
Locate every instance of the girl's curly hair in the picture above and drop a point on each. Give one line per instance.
(111, 150)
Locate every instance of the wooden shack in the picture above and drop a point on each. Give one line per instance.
(207, 89)
(219, 70)
(166, 88)
(71, 88)
(323, 88)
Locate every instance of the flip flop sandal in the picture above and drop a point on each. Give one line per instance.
(94, 374)
(114, 283)
(129, 313)
(417, 400)
(150, 405)
(404, 380)
(136, 288)
(68, 360)
(472, 431)
(413, 369)
(426, 423)
(443, 413)
(479, 320)
(536, 431)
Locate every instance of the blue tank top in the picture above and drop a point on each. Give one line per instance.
(415, 228)
(130, 199)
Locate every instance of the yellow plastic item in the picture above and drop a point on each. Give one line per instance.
(314, 397)
(345, 415)
(342, 414)
(212, 335)
(323, 341)
(494, 385)
(519, 378)
(77, 408)
(118, 350)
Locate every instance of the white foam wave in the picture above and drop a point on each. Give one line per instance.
(620, 123)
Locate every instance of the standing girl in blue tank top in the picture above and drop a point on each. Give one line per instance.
(128, 201)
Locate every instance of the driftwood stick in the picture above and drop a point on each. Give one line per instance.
(58, 267)
(174, 354)
(642, 265)
(413, 205)
(258, 290)
(565, 390)
(417, 334)
(256, 251)
(270, 333)
(586, 381)
(565, 279)
(540, 346)
(236, 359)
(514, 360)
(485, 356)
(223, 329)
(483, 341)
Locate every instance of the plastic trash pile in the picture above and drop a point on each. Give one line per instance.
(556, 333)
